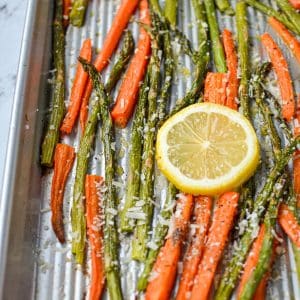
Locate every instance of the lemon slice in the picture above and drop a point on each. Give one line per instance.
(207, 149)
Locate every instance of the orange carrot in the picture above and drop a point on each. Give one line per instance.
(295, 3)
(202, 212)
(260, 293)
(251, 263)
(296, 169)
(67, 6)
(164, 270)
(289, 223)
(288, 38)
(112, 39)
(126, 99)
(222, 222)
(232, 66)
(95, 233)
(284, 79)
(252, 259)
(297, 154)
(215, 88)
(63, 161)
(78, 87)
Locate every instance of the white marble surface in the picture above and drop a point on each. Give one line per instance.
(12, 17)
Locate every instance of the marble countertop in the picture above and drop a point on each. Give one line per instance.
(12, 18)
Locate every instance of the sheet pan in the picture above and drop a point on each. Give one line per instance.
(33, 265)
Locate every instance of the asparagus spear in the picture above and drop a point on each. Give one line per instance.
(217, 46)
(234, 267)
(139, 244)
(158, 238)
(58, 105)
(168, 74)
(86, 143)
(267, 246)
(122, 61)
(243, 42)
(292, 14)
(110, 229)
(77, 13)
(171, 11)
(133, 181)
(224, 7)
(201, 59)
(269, 11)
(278, 116)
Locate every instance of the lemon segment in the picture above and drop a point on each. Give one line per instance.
(207, 149)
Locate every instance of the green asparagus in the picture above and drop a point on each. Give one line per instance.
(224, 7)
(139, 244)
(168, 75)
(133, 181)
(243, 53)
(171, 11)
(58, 104)
(122, 61)
(86, 143)
(110, 229)
(201, 60)
(269, 11)
(291, 13)
(78, 11)
(160, 232)
(265, 255)
(234, 267)
(217, 46)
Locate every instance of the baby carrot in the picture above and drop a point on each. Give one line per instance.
(78, 87)
(63, 161)
(164, 270)
(215, 88)
(288, 38)
(126, 99)
(232, 66)
(252, 259)
(66, 12)
(202, 212)
(95, 233)
(295, 3)
(283, 76)
(289, 223)
(222, 222)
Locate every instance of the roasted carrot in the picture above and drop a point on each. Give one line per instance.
(95, 233)
(260, 293)
(289, 223)
(295, 3)
(126, 99)
(251, 263)
(252, 259)
(66, 12)
(296, 167)
(232, 66)
(112, 39)
(202, 212)
(78, 87)
(63, 161)
(283, 77)
(164, 270)
(296, 173)
(215, 88)
(222, 222)
(288, 38)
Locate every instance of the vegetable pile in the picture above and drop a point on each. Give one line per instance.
(193, 229)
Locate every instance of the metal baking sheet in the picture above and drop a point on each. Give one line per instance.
(33, 265)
